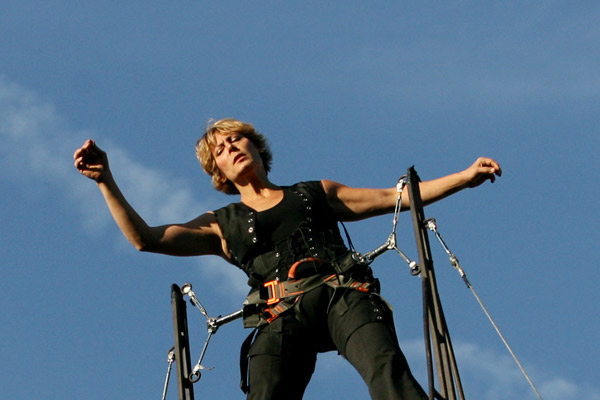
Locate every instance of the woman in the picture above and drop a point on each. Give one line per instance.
(308, 294)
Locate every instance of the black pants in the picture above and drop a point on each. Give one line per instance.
(358, 325)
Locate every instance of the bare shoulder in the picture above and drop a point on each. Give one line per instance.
(350, 203)
(335, 193)
(207, 221)
(331, 188)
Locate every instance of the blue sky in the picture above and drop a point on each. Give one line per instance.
(351, 91)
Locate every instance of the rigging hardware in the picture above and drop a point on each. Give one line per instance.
(390, 243)
(431, 224)
(212, 325)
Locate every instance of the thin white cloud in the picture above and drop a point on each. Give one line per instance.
(157, 196)
(489, 375)
(37, 147)
(218, 270)
(29, 135)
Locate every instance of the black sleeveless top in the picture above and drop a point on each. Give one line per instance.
(264, 244)
(277, 224)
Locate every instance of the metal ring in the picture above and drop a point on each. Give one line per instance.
(195, 376)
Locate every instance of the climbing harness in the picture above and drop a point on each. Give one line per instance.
(281, 296)
(276, 297)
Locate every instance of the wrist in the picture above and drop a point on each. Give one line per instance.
(105, 178)
(463, 180)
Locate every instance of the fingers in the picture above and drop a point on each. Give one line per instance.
(89, 149)
(83, 150)
(483, 169)
(80, 154)
(489, 166)
(90, 160)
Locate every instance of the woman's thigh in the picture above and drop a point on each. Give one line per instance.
(280, 377)
(372, 349)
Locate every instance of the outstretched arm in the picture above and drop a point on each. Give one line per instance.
(197, 237)
(351, 204)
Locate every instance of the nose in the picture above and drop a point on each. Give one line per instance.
(231, 147)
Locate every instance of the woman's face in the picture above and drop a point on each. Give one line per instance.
(235, 155)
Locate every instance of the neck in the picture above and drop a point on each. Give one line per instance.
(256, 189)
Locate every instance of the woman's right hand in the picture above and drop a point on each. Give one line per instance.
(91, 161)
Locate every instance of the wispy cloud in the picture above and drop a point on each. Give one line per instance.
(36, 148)
(37, 145)
(218, 270)
(490, 375)
(32, 135)
(485, 374)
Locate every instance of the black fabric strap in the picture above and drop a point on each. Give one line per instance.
(244, 361)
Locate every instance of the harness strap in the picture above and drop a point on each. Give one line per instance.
(244, 361)
(292, 270)
(284, 296)
(274, 291)
(258, 311)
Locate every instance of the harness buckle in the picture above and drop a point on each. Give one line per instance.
(272, 291)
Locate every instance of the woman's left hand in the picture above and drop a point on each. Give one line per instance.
(481, 170)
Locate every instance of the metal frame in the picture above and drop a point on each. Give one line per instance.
(437, 337)
(182, 345)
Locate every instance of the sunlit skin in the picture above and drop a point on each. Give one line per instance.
(239, 161)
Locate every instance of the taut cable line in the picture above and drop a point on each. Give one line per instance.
(180, 353)
(447, 371)
(437, 338)
(431, 224)
(212, 325)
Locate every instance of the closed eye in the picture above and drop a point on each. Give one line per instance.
(230, 139)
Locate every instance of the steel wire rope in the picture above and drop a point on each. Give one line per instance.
(431, 224)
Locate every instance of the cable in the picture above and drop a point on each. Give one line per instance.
(212, 325)
(170, 360)
(432, 226)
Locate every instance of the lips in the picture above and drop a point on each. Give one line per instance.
(238, 158)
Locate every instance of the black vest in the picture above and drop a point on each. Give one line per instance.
(316, 236)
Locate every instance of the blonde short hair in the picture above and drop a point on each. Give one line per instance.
(206, 144)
